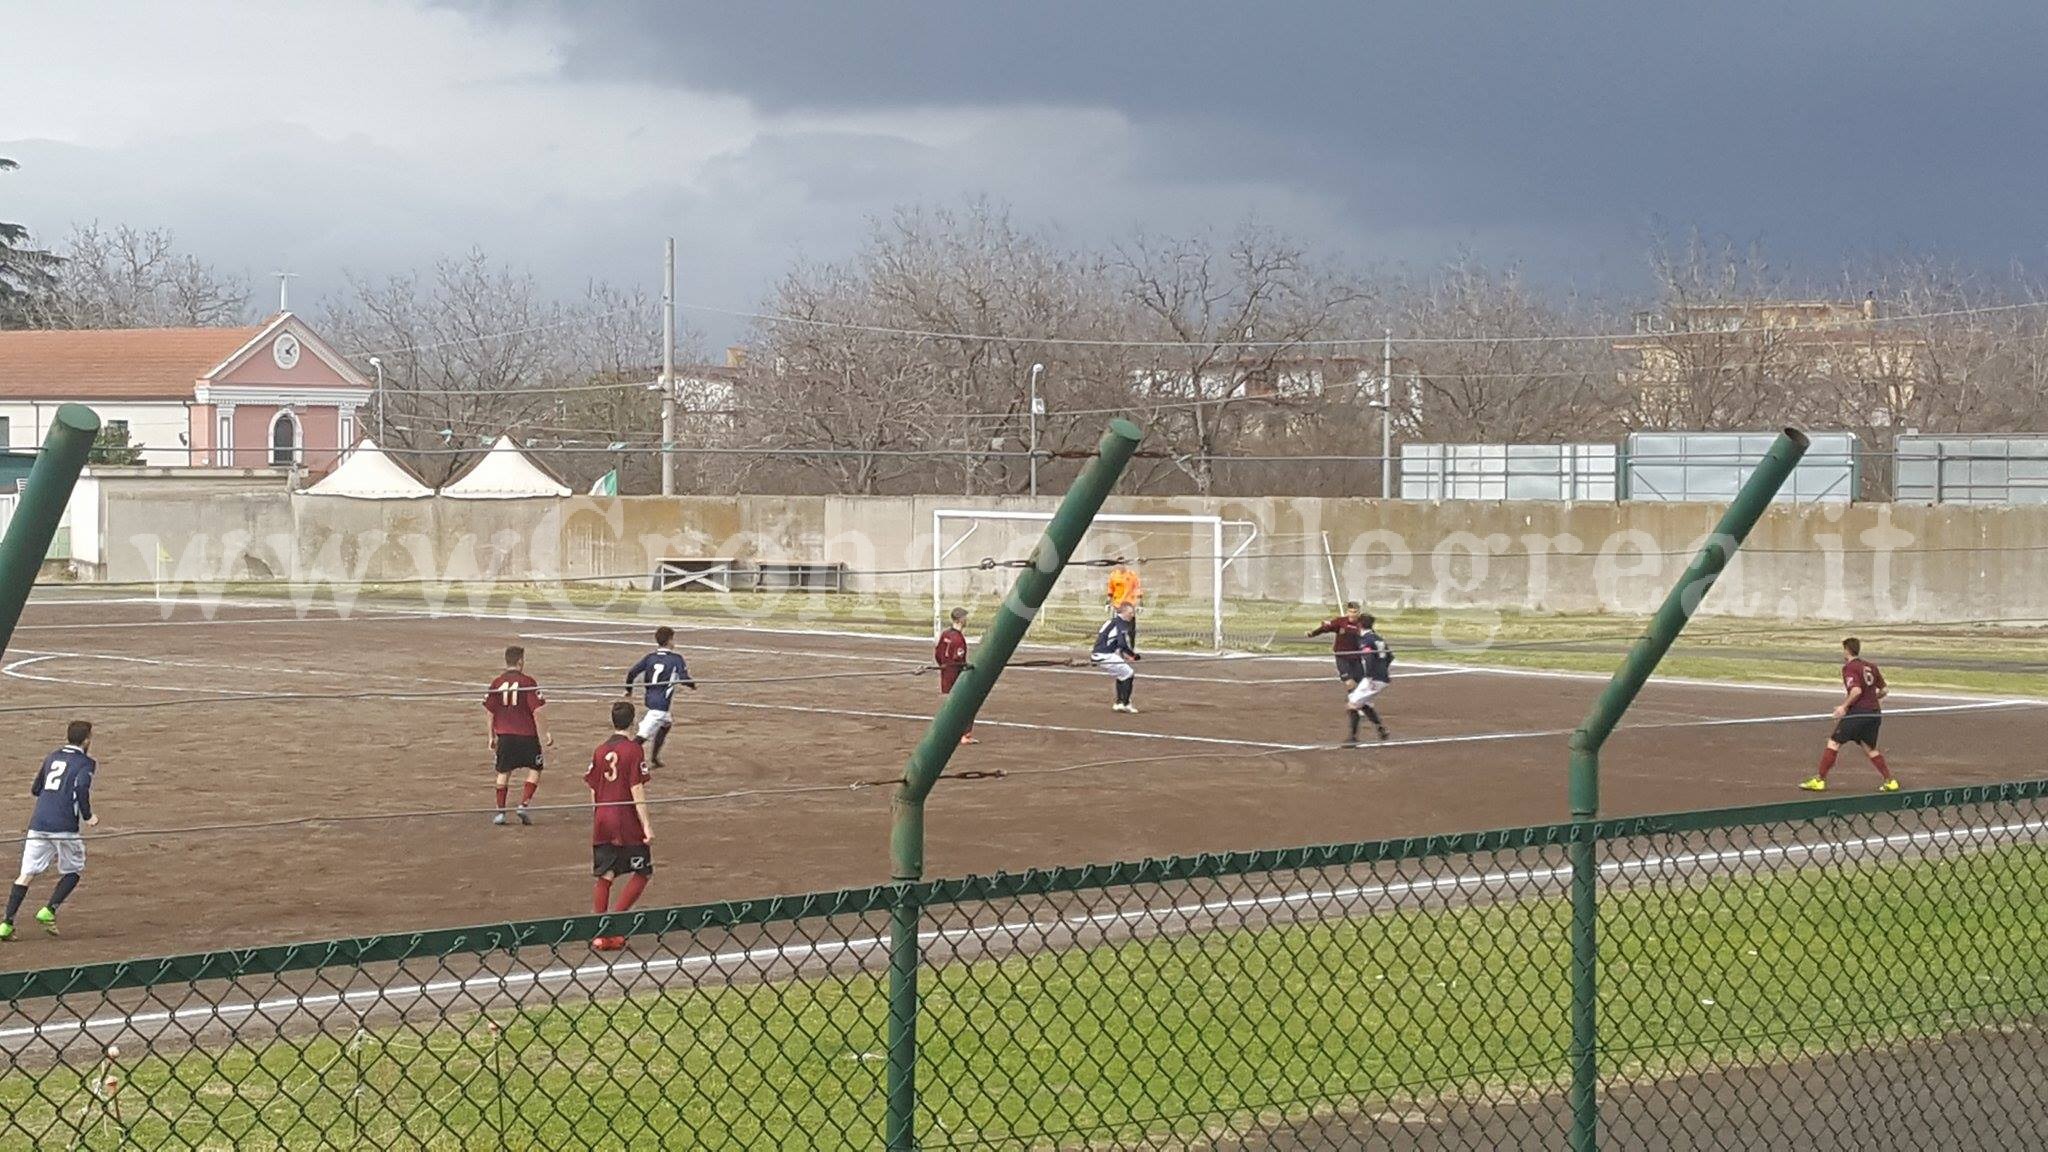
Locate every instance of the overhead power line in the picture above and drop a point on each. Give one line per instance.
(1363, 343)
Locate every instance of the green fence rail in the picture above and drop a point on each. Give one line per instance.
(1859, 973)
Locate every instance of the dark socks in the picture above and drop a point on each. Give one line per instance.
(525, 794)
(65, 884)
(1355, 718)
(501, 796)
(1827, 762)
(660, 738)
(1372, 715)
(15, 896)
(1123, 690)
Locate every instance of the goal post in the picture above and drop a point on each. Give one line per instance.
(1182, 561)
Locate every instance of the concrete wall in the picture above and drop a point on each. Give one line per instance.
(1848, 562)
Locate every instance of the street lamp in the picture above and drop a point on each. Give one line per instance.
(1037, 407)
(379, 366)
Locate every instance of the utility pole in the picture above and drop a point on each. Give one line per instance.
(1036, 408)
(378, 364)
(668, 369)
(1387, 417)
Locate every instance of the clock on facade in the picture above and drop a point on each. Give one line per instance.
(285, 351)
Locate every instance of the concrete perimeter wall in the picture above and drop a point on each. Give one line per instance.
(1848, 562)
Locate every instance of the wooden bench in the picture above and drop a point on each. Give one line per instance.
(769, 575)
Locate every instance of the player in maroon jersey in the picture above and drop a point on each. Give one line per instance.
(620, 830)
(1347, 643)
(1857, 718)
(518, 731)
(950, 654)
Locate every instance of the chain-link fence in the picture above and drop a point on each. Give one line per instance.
(1844, 974)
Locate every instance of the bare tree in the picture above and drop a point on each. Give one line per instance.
(127, 277)
(472, 351)
(1497, 363)
(1718, 364)
(867, 401)
(1230, 324)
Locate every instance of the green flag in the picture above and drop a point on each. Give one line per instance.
(606, 485)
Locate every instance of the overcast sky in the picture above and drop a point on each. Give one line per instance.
(376, 135)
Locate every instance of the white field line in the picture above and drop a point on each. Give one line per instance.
(812, 654)
(1188, 913)
(387, 614)
(15, 669)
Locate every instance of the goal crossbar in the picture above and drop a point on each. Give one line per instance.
(1218, 560)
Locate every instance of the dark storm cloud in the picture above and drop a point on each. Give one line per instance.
(1820, 128)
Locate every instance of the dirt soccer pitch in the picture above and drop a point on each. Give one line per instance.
(272, 776)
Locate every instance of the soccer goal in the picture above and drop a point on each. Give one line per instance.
(1183, 564)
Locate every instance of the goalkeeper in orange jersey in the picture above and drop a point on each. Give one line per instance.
(1124, 590)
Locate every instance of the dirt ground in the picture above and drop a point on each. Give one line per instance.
(359, 743)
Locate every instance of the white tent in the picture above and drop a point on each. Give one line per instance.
(504, 474)
(366, 473)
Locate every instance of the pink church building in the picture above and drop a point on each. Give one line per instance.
(272, 395)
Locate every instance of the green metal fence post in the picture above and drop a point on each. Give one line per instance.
(1584, 784)
(906, 832)
(42, 504)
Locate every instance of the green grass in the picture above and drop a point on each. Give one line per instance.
(1182, 1035)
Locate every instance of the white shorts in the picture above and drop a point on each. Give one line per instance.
(1364, 692)
(1116, 666)
(651, 722)
(65, 849)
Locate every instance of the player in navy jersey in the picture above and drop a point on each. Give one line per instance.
(662, 669)
(63, 792)
(1116, 650)
(1378, 669)
(1857, 718)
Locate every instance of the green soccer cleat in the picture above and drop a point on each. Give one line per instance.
(1891, 785)
(48, 919)
(6, 930)
(1815, 784)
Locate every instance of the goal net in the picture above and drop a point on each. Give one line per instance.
(1184, 564)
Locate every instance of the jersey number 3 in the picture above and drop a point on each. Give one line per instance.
(611, 766)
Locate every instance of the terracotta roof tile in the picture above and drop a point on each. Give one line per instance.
(118, 364)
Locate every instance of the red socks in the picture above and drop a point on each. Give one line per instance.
(525, 794)
(635, 885)
(501, 797)
(1877, 762)
(1827, 761)
(601, 894)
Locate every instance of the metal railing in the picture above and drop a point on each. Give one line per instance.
(1867, 972)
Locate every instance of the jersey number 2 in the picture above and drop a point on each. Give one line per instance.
(54, 778)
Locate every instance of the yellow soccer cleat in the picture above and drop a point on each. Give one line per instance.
(1891, 785)
(1814, 784)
